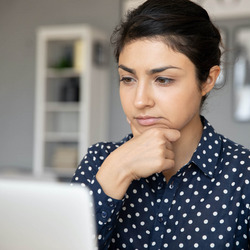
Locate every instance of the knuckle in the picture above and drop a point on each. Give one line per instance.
(171, 155)
(160, 162)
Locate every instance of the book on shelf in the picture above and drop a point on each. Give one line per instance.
(79, 56)
(65, 157)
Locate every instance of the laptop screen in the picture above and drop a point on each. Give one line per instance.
(41, 216)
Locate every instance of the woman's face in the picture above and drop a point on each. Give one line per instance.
(158, 86)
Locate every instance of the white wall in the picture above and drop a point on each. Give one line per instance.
(216, 8)
(221, 9)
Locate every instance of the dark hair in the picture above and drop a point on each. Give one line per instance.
(182, 24)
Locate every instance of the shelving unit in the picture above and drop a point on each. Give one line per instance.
(71, 97)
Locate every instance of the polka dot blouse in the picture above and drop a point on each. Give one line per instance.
(205, 205)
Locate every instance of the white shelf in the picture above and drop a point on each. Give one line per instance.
(62, 172)
(62, 107)
(61, 137)
(65, 119)
(61, 73)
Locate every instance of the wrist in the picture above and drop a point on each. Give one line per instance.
(114, 178)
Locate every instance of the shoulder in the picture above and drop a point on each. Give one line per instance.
(98, 152)
(228, 157)
(234, 152)
(235, 160)
(228, 151)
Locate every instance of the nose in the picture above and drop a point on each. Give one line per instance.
(143, 96)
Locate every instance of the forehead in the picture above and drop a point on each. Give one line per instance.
(152, 53)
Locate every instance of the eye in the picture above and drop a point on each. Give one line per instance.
(127, 80)
(164, 80)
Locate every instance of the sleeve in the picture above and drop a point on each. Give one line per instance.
(106, 208)
(248, 223)
(247, 182)
(245, 163)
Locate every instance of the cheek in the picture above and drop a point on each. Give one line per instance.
(180, 103)
(189, 98)
(125, 101)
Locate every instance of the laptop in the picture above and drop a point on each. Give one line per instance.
(45, 216)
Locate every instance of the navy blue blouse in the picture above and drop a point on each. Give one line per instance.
(205, 205)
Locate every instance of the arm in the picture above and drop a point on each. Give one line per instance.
(105, 207)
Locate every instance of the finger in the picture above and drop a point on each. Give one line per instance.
(169, 163)
(168, 144)
(169, 154)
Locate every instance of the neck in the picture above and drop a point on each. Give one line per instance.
(186, 145)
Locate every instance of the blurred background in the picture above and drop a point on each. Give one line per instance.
(39, 48)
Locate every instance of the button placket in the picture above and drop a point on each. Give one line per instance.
(171, 185)
(104, 214)
(160, 217)
(164, 209)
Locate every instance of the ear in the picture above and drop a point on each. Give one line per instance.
(211, 80)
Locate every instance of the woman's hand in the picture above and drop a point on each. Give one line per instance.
(145, 154)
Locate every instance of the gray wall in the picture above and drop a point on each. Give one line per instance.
(18, 22)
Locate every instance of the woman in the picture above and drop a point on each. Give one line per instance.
(174, 182)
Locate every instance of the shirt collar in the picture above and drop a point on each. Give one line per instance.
(207, 154)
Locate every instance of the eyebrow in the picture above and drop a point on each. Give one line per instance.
(150, 72)
(127, 69)
(159, 70)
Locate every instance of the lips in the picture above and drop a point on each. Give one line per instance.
(147, 120)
